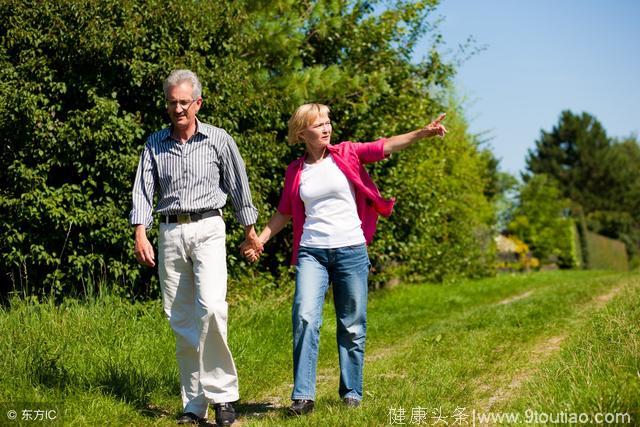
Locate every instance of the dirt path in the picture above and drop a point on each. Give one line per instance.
(499, 389)
(277, 399)
(539, 353)
(516, 298)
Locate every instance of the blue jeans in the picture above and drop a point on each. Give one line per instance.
(347, 268)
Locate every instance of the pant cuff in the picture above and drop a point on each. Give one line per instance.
(222, 398)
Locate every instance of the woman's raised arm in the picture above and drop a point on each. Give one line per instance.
(400, 142)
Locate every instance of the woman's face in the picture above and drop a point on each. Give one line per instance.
(318, 133)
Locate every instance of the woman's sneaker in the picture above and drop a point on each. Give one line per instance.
(301, 406)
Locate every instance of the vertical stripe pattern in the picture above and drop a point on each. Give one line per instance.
(191, 177)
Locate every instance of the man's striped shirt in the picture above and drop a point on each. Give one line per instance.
(191, 177)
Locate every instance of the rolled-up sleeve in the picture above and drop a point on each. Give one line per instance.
(143, 188)
(369, 152)
(235, 183)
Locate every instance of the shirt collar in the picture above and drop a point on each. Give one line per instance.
(199, 130)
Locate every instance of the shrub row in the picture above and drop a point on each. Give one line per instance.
(80, 89)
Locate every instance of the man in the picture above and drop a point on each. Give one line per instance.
(194, 166)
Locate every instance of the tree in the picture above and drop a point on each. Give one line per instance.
(505, 199)
(598, 173)
(541, 222)
(80, 91)
(572, 154)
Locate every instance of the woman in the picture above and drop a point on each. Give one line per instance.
(334, 205)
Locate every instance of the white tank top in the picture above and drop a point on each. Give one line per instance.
(330, 206)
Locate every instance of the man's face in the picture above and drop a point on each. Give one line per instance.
(181, 106)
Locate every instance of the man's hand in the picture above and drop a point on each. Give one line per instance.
(143, 248)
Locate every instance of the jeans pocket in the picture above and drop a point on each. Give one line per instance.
(359, 253)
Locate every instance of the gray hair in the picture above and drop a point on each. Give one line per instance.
(178, 76)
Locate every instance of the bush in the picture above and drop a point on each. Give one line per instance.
(606, 253)
(81, 89)
(539, 220)
(617, 225)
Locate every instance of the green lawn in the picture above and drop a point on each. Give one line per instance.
(541, 345)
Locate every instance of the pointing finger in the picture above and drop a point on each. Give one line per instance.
(440, 118)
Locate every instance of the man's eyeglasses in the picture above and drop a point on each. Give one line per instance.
(185, 105)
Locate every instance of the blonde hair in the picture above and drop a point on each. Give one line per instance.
(302, 118)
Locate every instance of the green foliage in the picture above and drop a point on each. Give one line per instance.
(605, 253)
(618, 225)
(505, 198)
(597, 172)
(539, 220)
(441, 226)
(80, 90)
(572, 154)
(576, 252)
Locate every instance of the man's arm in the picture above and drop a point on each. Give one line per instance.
(141, 216)
(236, 183)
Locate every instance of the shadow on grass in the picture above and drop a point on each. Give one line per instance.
(125, 382)
(257, 410)
(134, 386)
(153, 411)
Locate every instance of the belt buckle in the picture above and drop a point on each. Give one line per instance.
(183, 218)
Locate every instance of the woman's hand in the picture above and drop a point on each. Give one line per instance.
(435, 128)
(400, 142)
(249, 253)
(273, 227)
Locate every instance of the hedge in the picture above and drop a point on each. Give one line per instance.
(80, 89)
(606, 253)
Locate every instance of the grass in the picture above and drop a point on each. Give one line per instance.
(597, 370)
(549, 342)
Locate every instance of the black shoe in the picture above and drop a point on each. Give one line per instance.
(225, 414)
(189, 418)
(301, 406)
(350, 402)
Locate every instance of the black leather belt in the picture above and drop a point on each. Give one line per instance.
(187, 217)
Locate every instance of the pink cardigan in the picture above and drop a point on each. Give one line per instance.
(349, 157)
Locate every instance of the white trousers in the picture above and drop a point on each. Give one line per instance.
(193, 276)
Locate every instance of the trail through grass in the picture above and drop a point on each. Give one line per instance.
(546, 342)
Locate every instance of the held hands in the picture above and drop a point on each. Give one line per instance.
(435, 128)
(252, 246)
(250, 252)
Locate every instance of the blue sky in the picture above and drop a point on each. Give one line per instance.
(540, 58)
